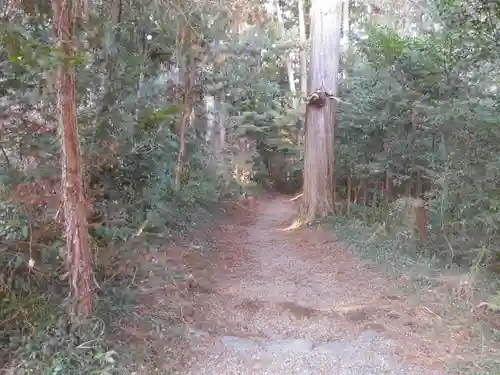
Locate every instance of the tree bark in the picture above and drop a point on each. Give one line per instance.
(188, 70)
(349, 193)
(116, 12)
(303, 52)
(320, 111)
(79, 254)
(365, 192)
(185, 121)
(303, 72)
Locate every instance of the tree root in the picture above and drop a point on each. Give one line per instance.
(294, 199)
(302, 220)
(296, 224)
(305, 216)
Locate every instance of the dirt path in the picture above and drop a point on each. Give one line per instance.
(296, 303)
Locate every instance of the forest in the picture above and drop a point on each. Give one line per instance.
(129, 125)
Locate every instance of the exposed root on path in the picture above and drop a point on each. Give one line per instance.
(296, 224)
(294, 199)
(300, 222)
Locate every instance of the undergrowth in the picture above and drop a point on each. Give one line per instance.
(422, 274)
(35, 337)
(54, 349)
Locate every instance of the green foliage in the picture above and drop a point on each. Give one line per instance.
(370, 215)
(419, 109)
(54, 350)
(422, 108)
(13, 224)
(127, 104)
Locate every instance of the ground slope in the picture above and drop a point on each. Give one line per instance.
(297, 303)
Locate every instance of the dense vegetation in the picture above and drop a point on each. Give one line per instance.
(419, 120)
(183, 106)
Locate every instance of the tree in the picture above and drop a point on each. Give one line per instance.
(326, 22)
(303, 68)
(303, 52)
(188, 72)
(79, 254)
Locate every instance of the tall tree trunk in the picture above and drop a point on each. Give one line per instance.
(116, 12)
(303, 73)
(79, 253)
(349, 193)
(320, 112)
(288, 61)
(303, 52)
(188, 73)
(210, 126)
(221, 124)
(186, 119)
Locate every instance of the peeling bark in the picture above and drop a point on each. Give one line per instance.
(79, 254)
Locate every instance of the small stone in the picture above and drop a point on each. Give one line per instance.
(393, 315)
(357, 315)
(375, 327)
(368, 335)
(293, 345)
(238, 343)
(334, 347)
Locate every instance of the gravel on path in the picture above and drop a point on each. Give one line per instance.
(294, 303)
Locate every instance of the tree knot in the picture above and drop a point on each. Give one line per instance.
(318, 98)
